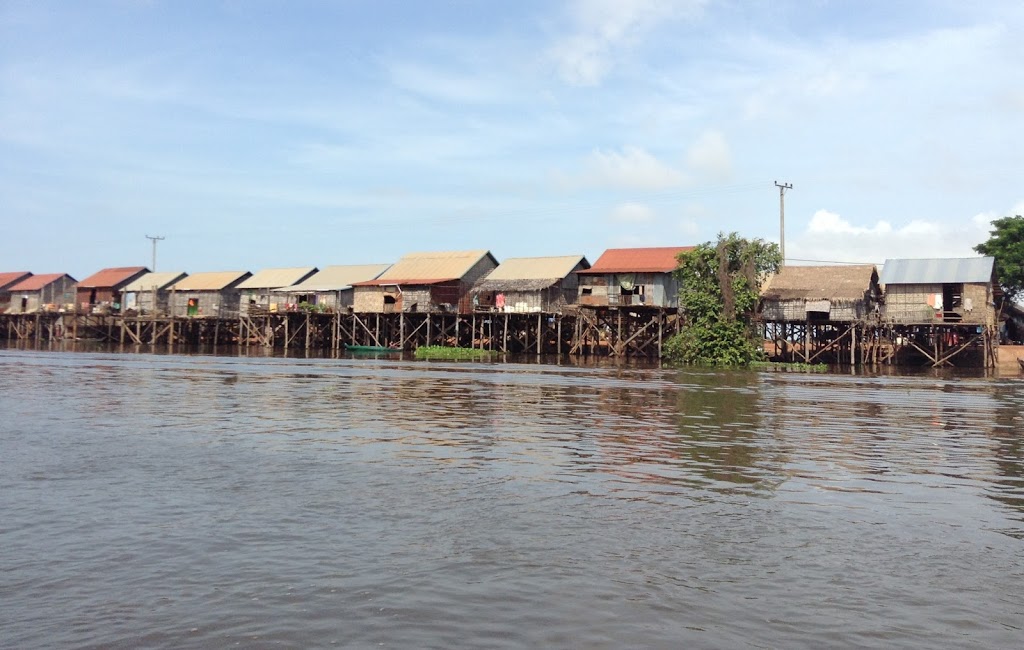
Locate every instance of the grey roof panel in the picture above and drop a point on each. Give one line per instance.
(937, 270)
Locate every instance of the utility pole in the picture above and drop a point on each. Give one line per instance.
(782, 217)
(155, 240)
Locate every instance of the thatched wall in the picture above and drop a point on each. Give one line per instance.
(915, 303)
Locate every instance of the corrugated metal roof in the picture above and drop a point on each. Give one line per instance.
(38, 282)
(113, 277)
(938, 270)
(277, 278)
(430, 268)
(159, 279)
(536, 268)
(10, 278)
(845, 282)
(638, 260)
(211, 281)
(336, 278)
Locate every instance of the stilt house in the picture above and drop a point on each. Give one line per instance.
(636, 277)
(530, 284)
(258, 290)
(104, 289)
(44, 292)
(945, 290)
(837, 294)
(8, 280)
(151, 293)
(211, 293)
(332, 288)
(426, 282)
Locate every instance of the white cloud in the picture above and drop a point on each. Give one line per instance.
(630, 168)
(632, 213)
(710, 157)
(831, 238)
(602, 28)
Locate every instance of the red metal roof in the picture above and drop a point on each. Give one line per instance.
(37, 282)
(10, 278)
(112, 277)
(637, 260)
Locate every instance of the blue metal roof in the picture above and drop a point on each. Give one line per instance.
(937, 270)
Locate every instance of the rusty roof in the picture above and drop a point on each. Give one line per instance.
(211, 281)
(10, 278)
(638, 260)
(114, 277)
(843, 282)
(430, 268)
(38, 282)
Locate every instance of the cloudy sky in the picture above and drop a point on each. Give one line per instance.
(268, 133)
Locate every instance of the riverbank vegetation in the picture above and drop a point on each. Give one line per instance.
(439, 352)
(720, 287)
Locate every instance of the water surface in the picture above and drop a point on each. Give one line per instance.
(204, 501)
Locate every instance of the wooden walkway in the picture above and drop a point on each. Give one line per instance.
(584, 331)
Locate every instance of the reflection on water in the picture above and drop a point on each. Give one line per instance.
(205, 501)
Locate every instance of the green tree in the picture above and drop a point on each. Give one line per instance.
(1006, 244)
(720, 284)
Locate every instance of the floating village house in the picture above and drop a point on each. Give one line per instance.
(211, 293)
(426, 282)
(638, 277)
(332, 288)
(835, 294)
(8, 280)
(151, 293)
(44, 292)
(530, 284)
(936, 291)
(258, 290)
(105, 288)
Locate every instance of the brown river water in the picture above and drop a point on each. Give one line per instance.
(177, 501)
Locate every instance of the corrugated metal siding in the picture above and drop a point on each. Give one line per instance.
(937, 270)
(212, 281)
(537, 268)
(277, 278)
(335, 278)
(161, 280)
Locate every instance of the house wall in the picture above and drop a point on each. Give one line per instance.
(796, 310)
(651, 290)
(57, 295)
(142, 301)
(223, 304)
(908, 303)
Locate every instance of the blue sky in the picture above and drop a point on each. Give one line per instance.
(257, 134)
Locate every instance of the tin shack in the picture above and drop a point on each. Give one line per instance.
(637, 277)
(210, 293)
(44, 292)
(530, 284)
(332, 288)
(103, 290)
(940, 290)
(151, 293)
(258, 290)
(426, 282)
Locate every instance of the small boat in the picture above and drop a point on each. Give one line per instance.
(1020, 362)
(370, 349)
